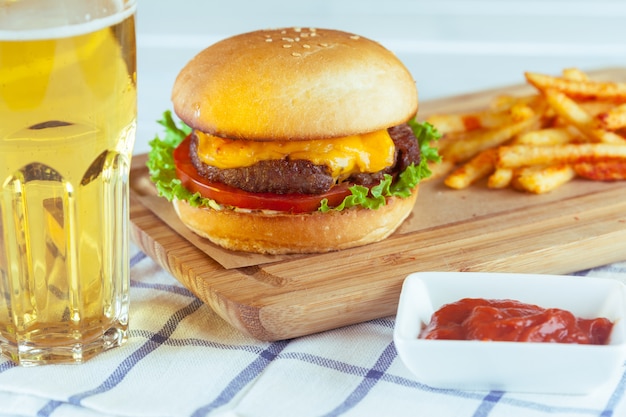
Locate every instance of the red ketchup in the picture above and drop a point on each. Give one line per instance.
(513, 321)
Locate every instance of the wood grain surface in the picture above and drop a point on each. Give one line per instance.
(580, 226)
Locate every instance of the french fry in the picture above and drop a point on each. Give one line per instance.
(606, 136)
(613, 119)
(542, 179)
(474, 142)
(569, 110)
(501, 178)
(447, 123)
(515, 156)
(506, 102)
(439, 169)
(602, 171)
(465, 122)
(575, 74)
(573, 127)
(548, 136)
(478, 167)
(595, 107)
(579, 89)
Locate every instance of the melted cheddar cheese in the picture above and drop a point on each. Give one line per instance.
(344, 156)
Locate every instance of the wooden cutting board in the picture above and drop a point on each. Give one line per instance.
(580, 226)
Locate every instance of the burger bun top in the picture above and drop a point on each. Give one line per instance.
(294, 84)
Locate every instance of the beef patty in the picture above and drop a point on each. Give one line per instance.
(285, 176)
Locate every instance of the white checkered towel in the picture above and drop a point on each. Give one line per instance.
(181, 359)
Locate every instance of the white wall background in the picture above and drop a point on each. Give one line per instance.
(451, 47)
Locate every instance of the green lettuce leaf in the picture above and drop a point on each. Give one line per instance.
(376, 197)
(161, 164)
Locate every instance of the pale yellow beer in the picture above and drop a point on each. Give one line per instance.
(67, 127)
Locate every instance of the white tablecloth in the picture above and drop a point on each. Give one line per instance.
(181, 359)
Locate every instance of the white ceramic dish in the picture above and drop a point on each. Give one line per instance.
(511, 366)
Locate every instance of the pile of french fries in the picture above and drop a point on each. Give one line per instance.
(571, 127)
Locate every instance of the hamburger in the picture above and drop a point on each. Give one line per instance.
(293, 141)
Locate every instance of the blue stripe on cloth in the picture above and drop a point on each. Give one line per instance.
(377, 375)
(488, 403)
(174, 289)
(362, 372)
(124, 368)
(242, 379)
(198, 343)
(369, 381)
(473, 395)
(386, 322)
(326, 363)
(550, 409)
(138, 257)
(616, 397)
(613, 268)
(49, 408)
(6, 366)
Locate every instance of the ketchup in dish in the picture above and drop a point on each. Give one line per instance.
(513, 321)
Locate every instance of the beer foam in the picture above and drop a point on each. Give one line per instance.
(66, 30)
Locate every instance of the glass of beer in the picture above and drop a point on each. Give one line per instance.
(67, 128)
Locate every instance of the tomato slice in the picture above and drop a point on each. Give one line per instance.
(227, 195)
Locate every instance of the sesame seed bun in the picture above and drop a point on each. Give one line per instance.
(294, 84)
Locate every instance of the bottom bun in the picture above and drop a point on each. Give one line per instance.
(283, 233)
